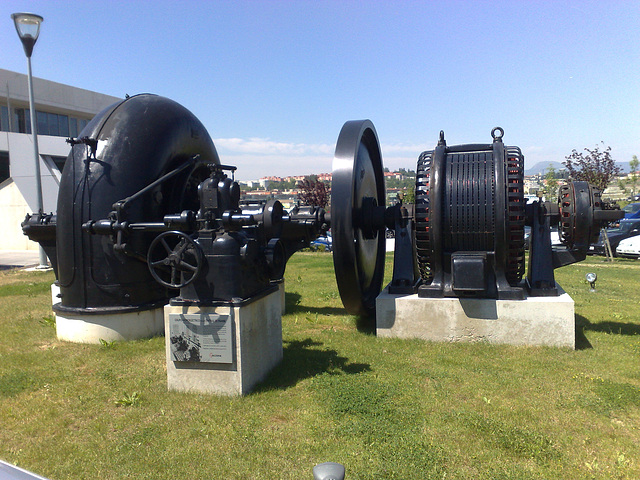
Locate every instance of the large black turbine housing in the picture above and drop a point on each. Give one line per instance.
(147, 215)
(122, 151)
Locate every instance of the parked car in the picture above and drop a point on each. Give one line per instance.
(322, 243)
(632, 210)
(629, 247)
(555, 237)
(628, 228)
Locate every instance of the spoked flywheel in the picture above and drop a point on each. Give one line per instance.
(357, 190)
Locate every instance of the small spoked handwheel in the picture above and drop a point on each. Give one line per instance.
(174, 259)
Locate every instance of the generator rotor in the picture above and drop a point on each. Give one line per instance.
(515, 215)
(422, 215)
(582, 214)
(469, 199)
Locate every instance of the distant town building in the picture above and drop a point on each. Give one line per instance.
(62, 111)
(264, 182)
(289, 198)
(396, 175)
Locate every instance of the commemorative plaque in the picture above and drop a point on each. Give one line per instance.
(201, 337)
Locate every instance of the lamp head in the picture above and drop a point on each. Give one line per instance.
(591, 278)
(28, 28)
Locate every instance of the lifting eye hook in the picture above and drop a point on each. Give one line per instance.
(497, 133)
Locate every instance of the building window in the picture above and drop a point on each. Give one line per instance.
(4, 166)
(52, 119)
(21, 120)
(58, 161)
(73, 127)
(55, 164)
(63, 125)
(48, 123)
(43, 125)
(4, 119)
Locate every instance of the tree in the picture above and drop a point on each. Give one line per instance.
(596, 167)
(633, 165)
(550, 181)
(313, 192)
(410, 196)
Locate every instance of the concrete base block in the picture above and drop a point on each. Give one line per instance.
(256, 337)
(534, 321)
(109, 327)
(55, 293)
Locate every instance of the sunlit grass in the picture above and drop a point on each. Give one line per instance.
(385, 408)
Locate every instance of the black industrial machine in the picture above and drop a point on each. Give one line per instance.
(464, 236)
(146, 213)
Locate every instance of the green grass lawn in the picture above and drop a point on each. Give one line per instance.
(384, 408)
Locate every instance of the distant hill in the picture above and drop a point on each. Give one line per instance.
(541, 167)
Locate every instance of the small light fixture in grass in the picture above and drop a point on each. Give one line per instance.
(591, 278)
(328, 471)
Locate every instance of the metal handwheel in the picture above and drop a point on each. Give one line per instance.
(174, 259)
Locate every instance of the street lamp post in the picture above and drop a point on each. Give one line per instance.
(28, 28)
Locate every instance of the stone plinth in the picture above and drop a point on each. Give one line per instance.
(254, 333)
(91, 328)
(535, 321)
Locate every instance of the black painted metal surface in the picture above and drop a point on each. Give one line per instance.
(124, 149)
(41, 228)
(357, 198)
(467, 223)
(470, 220)
(220, 254)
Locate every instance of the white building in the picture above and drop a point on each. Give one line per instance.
(264, 183)
(62, 111)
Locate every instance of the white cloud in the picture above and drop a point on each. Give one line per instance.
(260, 157)
(265, 146)
(403, 150)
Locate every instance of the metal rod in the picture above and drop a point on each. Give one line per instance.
(121, 204)
(36, 155)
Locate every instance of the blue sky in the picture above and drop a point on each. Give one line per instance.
(273, 81)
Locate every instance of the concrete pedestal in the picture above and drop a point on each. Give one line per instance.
(109, 327)
(255, 338)
(535, 321)
(91, 328)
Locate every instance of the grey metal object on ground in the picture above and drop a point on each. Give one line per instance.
(328, 471)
